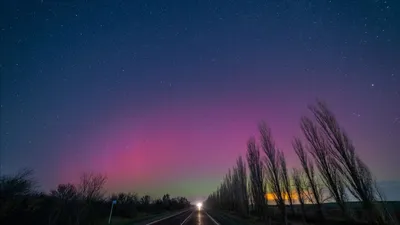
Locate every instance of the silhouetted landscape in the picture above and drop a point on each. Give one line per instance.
(84, 203)
(331, 171)
(200, 112)
(270, 192)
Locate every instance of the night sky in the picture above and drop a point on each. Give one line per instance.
(161, 96)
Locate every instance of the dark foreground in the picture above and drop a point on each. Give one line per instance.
(191, 217)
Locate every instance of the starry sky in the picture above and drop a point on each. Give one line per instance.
(161, 96)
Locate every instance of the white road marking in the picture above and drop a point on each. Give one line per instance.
(166, 218)
(212, 218)
(187, 218)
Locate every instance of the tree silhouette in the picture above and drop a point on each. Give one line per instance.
(240, 185)
(287, 187)
(65, 212)
(65, 192)
(273, 166)
(166, 201)
(338, 169)
(14, 190)
(256, 178)
(91, 186)
(301, 189)
(338, 149)
(22, 183)
(312, 183)
(326, 164)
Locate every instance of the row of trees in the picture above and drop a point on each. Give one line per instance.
(330, 171)
(69, 204)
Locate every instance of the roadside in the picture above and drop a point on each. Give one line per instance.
(228, 218)
(142, 219)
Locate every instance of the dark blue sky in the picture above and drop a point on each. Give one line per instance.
(85, 84)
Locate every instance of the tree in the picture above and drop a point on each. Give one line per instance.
(126, 206)
(227, 193)
(301, 189)
(166, 201)
(338, 169)
(286, 181)
(16, 204)
(312, 183)
(232, 193)
(273, 168)
(256, 177)
(326, 164)
(340, 152)
(67, 202)
(23, 183)
(91, 186)
(145, 200)
(241, 186)
(91, 191)
(65, 192)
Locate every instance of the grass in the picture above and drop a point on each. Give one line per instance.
(233, 218)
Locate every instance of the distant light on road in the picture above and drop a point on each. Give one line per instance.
(199, 205)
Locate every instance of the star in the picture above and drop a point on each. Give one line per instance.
(260, 54)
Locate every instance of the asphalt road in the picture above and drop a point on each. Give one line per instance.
(200, 218)
(192, 217)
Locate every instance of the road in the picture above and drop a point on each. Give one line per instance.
(192, 217)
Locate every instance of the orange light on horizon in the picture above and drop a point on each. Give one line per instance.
(270, 197)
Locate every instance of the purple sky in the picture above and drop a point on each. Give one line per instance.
(162, 96)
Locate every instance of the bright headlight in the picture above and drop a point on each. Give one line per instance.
(199, 205)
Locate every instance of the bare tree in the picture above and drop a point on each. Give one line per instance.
(308, 168)
(166, 201)
(339, 169)
(232, 193)
(145, 200)
(273, 168)
(358, 177)
(256, 177)
(266, 190)
(125, 198)
(15, 195)
(300, 185)
(241, 175)
(23, 183)
(226, 192)
(235, 187)
(65, 192)
(91, 186)
(286, 181)
(326, 164)
(91, 191)
(66, 210)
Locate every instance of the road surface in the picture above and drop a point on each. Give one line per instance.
(192, 217)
